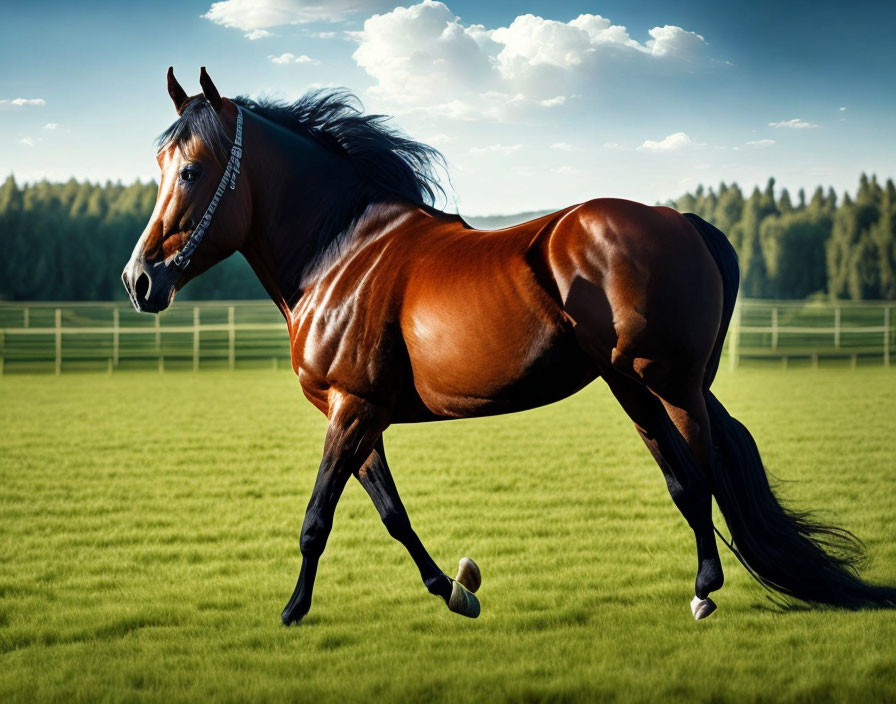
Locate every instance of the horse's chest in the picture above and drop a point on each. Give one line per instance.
(342, 345)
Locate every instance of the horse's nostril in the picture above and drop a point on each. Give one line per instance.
(141, 286)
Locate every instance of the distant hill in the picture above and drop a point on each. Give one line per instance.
(496, 222)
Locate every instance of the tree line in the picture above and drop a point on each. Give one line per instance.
(841, 248)
(70, 241)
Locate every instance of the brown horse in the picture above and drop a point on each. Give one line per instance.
(399, 313)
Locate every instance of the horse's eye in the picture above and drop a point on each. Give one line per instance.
(189, 174)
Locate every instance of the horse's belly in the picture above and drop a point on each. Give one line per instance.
(462, 376)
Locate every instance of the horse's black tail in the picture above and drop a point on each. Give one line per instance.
(785, 550)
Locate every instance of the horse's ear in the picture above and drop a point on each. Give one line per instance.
(208, 90)
(178, 94)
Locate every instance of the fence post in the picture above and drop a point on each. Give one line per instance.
(886, 336)
(59, 340)
(116, 335)
(158, 324)
(837, 328)
(195, 338)
(2, 350)
(734, 337)
(774, 328)
(231, 339)
(26, 314)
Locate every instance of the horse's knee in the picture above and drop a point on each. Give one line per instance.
(314, 537)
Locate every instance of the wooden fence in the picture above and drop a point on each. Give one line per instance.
(786, 331)
(76, 336)
(57, 337)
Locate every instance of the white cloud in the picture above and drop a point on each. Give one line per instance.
(288, 58)
(502, 149)
(795, 123)
(29, 141)
(20, 102)
(562, 146)
(532, 41)
(325, 35)
(673, 143)
(439, 139)
(759, 143)
(423, 55)
(258, 34)
(51, 126)
(613, 145)
(317, 85)
(249, 15)
(671, 41)
(570, 171)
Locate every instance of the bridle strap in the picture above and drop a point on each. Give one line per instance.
(182, 258)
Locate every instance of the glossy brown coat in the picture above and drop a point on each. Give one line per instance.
(431, 319)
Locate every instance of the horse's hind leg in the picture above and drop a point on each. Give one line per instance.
(376, 479)
(677, 435)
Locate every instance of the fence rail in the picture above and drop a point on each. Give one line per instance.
(786, 330)
(59, 337)
(80, 336)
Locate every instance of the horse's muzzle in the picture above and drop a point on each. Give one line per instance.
(150, 287)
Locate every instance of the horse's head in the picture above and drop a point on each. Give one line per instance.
(201, 214)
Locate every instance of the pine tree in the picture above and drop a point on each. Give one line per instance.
(12, 243)
(729, 211)
(844, 236)
(752, 262)
(884, 235)
(767, 203)
(784, 204)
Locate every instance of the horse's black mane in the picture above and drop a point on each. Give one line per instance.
(389, 166)
(388, 162)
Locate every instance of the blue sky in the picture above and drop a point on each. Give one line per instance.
(535, 104)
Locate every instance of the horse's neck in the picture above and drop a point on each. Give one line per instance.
(296, 185)
(377, 220)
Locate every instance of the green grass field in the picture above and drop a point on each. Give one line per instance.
(150, 528)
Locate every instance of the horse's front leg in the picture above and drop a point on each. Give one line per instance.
(355, 426)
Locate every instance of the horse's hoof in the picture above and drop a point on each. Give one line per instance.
(292, 616)
(289, 620)
(462, 601)
(468, 574)
(701, 608)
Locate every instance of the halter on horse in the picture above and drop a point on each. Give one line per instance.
(400, 313)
